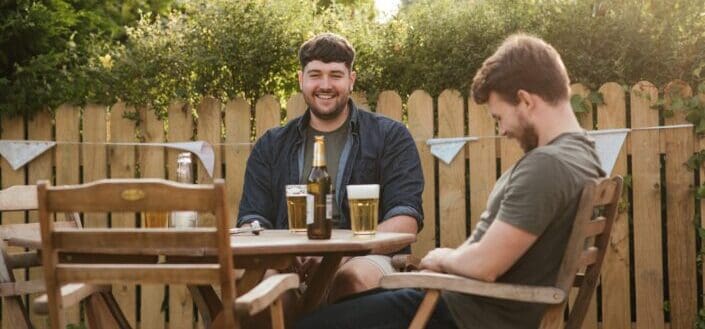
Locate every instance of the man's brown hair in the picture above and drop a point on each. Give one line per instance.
(522, 62)
(327, 48)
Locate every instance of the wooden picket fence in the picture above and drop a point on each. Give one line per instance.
(652, 258)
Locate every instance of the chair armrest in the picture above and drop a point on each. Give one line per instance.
(71, 294)
(265, 293)
(440, 281)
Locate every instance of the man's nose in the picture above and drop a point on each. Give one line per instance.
(325, 82)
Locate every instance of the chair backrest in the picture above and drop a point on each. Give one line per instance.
(136, 195)
(586, 249)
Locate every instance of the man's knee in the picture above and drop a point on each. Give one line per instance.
(357, 275)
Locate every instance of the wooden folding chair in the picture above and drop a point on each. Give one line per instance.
(135, 195)
(585, 250)
(23, 198)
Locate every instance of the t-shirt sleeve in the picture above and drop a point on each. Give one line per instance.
(534, 193)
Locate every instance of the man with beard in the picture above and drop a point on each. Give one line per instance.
(525, 228)
(361, 148)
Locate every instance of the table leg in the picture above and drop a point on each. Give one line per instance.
(249, 280)
(319, 281)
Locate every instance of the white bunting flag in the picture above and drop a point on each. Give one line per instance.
(608, 143)
(18, 153)
(447, 148)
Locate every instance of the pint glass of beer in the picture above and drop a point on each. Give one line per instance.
(296, 205)
(364, 208)
(155, 219)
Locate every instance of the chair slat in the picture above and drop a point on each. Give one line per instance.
(19, 197)
(588, 257)
(198, 242)
(146, 195)
(607, 192)
(138, 273)
(595, 227)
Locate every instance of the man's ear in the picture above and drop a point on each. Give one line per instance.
(353, 76)
(527, 99)
(301, 79)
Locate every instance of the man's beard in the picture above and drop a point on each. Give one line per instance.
(335, 113)
(529, 139)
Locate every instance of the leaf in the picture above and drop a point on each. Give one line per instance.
(596, 98)
(700, 193)
(677, 103)
(693, 117)
(578, 104)
(668, 113)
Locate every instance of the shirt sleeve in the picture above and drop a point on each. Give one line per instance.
(402, 177)
(257, 202)
(534, 193)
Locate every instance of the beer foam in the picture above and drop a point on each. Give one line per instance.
(363, 191)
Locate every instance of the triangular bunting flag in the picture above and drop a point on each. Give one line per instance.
(18, 153)
(608, 143)
(447, 148)
(202, 150)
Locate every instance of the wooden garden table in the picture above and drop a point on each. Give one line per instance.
(272, 249)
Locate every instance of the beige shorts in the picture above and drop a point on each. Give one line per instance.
(384, 263)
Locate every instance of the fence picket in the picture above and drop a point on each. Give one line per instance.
(151, 161)
(237, 123)
(67, 165)
(122, 165)
(180, 130)
(646, 205)
(616, 310)
(680, 207)
(451, 178)
(420, 106)
(95, 158)
(12, 129)
(483, 159)
(39, 128)
(295, 107)
(389, 105)
(209, 130)
(267, 114)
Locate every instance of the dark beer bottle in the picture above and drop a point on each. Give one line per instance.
(319, 189)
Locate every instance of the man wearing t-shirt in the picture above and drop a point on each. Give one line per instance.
(525, 228)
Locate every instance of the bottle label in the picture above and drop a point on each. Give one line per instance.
(309, 208)
(329, 206)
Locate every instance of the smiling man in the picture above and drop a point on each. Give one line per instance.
(361, 148)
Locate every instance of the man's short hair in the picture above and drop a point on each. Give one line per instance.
(522, 62)
(327, 48)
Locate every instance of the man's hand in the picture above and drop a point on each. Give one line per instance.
(434, 259)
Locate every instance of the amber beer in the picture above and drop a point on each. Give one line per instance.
(320, 225)
(155, 219)
(364, 208)
(296, 196)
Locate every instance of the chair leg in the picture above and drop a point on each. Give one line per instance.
(102, 311)
(277, 313)
(428, 304)
(14, 314)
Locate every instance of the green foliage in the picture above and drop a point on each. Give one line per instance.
(78, 51)
(45, 47)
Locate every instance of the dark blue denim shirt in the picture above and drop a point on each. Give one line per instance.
(378, 150)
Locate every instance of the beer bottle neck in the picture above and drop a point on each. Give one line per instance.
(319, 154)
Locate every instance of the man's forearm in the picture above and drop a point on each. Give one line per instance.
(398, 224)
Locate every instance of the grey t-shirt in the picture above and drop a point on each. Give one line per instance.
(335, 142)
(540, 195)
